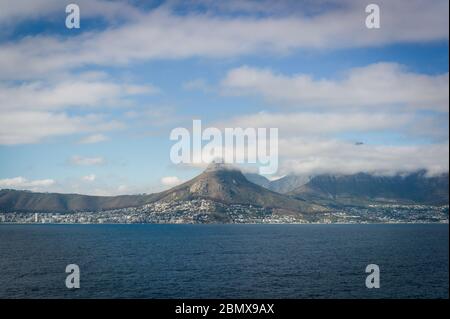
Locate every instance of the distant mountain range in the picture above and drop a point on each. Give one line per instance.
(230, 187)
(26, 201)
(364, 189)
(219, 184)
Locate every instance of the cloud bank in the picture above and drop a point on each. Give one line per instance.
(162, 34)
(381, 85)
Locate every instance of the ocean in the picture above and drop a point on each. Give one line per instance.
(224, 261)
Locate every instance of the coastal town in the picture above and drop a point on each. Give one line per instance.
(204, 211)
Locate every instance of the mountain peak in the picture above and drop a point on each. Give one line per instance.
(220, 166)
(227, 185)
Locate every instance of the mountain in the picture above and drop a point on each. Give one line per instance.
(229, 186)
(26, 201)
(282, 185)
(362, 189)
(288, 183)
(218, 184)
(224, 189)
(258, 179)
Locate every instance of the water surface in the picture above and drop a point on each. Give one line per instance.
(224, 261)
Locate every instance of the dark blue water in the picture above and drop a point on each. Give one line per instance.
(224, 261)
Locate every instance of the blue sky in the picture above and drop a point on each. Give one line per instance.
(90, 110)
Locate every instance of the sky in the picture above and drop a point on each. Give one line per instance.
(90, 110)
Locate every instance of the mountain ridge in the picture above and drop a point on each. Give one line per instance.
(364, 189)
(229, 186)
(281, 185)
(224, 185)
(232, 187)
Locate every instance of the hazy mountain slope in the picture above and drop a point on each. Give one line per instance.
(360, 189)
(15, 200)
(288, 183)
(257, 179)
(282, 185)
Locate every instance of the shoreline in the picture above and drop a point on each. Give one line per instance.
(399, 223)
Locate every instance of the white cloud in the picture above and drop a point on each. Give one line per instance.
(12, 11)
(23, 183)
(33, 111)
(302, 123)
(170, 181)
(309, 157)
(89, 178)
(92, 139)
(80, 160)
(307, 146)
(410, 125)
(313, 156)
(160, 34)
(68, 94)
(380, 98)
(374, 86)
(23, 127)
